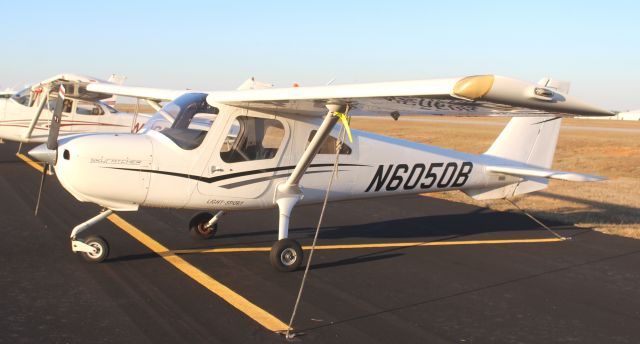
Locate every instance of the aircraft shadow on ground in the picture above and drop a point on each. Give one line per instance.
(421, 227)
(417, 229)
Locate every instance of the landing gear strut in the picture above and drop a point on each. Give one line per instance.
(286, 254)
(93, 249)
(204, 225)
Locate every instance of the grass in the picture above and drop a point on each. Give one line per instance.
(611, 206)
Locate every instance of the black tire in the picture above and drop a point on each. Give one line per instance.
(286, 255)
(197, 227)
(102, 249)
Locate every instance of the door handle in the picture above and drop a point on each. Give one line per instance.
(215, 169)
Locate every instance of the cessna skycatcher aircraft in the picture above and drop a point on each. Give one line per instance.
(25, 115)
(278, 147)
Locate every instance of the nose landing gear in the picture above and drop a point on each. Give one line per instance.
(93, 249)
(204, 225)
(100, 250)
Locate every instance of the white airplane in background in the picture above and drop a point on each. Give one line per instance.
(621, 116)
(276, 147)
(628, 116)
(25, 115)
(7, 93)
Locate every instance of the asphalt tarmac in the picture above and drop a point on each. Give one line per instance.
(484, 276)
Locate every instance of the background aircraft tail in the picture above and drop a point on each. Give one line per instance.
(118, 80)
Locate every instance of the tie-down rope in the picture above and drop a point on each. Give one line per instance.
(344, 117)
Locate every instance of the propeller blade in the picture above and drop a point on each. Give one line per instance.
(44, 175)
(54, 129)
(52, 142)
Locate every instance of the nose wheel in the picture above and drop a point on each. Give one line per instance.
(201, 228)
(99, 249)
(286, 255)
(93, 249)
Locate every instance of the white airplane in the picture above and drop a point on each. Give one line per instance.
(621, 116)
(25, 115)
(278, 147)
(628, 116)
(7, 93)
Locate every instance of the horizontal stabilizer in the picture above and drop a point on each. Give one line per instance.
(531, 171)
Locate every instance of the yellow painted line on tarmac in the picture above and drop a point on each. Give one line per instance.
(381, 245)
(236, 300)
(30, 162)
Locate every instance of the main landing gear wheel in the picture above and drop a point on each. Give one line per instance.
(286, 255)
(101, 249)
(198, 226)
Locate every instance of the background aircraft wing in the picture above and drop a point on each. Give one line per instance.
(481, 95)
(94, 89)
(154, 94)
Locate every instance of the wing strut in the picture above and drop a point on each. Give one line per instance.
(34, 121)
(289, 193)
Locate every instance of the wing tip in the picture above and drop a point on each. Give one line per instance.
(473, 87)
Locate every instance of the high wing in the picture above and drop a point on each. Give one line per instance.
(75, 86)
(480, 95)
(152, 94)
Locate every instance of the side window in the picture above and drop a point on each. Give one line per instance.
(67, 104)
(329, 145)
(87, 108)
(252, 138)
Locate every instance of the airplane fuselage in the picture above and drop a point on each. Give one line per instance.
(15, 120)
(161, 173)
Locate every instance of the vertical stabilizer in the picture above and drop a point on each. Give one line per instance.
(118, 80)
(531, 140)
(528, 140)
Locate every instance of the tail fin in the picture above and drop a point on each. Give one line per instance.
(525, 141)
(252, 84)
(530, 140)
(118, 80)
(524, 150)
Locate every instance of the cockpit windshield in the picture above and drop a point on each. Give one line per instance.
(109, 107)
(24, 97)
(192, 117)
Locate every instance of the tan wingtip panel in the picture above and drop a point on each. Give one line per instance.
(473, 87)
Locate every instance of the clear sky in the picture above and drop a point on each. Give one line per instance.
(211, 45)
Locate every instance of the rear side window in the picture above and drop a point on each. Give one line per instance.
(87, 108)
(329, 145)
(252, 138)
